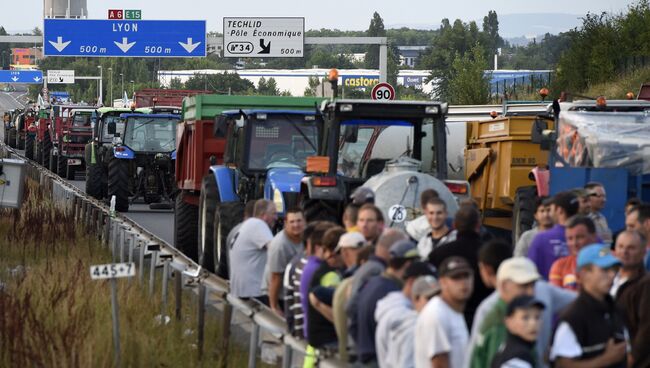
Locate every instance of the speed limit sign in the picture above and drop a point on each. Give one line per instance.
(383, 91)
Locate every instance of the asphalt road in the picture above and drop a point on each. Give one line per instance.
(159, 222)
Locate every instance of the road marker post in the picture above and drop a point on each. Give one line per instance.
(112, 272)
(154, 248)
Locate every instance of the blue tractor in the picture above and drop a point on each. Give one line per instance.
(142, 160)
(265, 157)
(598, 141)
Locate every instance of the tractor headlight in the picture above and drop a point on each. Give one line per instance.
(278, 201)
(117, 141)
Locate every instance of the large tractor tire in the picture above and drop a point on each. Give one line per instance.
(29, 146)
(229, 214)
(186, 227)
(320, 210)
(11, 137)
(523, 211)
(94, 181)
(118, 183)
(53, 162)
(70, 172)
(47, 149)
(61, 165)
(208, 202)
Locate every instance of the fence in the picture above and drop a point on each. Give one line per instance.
(129, 242)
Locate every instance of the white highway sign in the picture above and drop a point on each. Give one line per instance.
(112, 271)
(263, 37)
(60, 76)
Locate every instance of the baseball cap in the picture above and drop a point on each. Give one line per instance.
(523, 301)
(520, 270)
(417, 269)
(568, 201)
(350, 240)
(452, 266)
(404, 249)
(426, 286)
(362, 195)
(596, 254)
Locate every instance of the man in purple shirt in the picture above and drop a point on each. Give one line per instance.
(549, 245)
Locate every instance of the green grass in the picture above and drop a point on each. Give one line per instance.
(53, 315)
(619, 87)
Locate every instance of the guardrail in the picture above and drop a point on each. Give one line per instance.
(129, 242)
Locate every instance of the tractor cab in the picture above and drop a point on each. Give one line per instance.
(146, 133)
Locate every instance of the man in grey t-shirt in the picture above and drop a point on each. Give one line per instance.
(284, 246)
(543, 222)
(248, 253)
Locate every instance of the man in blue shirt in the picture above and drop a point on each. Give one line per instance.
(550, 245)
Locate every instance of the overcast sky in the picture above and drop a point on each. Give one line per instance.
(341, 14)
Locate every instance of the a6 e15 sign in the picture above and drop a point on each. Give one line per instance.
(383, 91)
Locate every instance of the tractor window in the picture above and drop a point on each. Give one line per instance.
(351, 153)
(119, 127)
(281, 141)
(148, 134)
(81, 120)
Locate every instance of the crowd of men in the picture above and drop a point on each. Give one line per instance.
(442, 292)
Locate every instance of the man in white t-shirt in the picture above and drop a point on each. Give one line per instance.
(435, 211)
(248, 253)
(441, 334)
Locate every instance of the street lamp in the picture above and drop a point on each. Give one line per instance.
(110, 71)
(122, 76)
(100, 98)
(3, 59)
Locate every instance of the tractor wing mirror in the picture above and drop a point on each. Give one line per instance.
(220, 127)
(351, 133)
(111, 127)
(540, 134)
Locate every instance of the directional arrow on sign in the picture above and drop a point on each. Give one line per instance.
(37, 79)
(59, 45)
(125, 45)
(266, 49)
(14, 78)
(189, 46)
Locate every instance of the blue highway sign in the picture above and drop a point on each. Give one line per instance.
(124, 38)
(21, 76)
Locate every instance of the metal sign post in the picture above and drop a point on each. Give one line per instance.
(113, 272)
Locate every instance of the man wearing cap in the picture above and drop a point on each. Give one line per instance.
(402, 254)
(580, 232)
(515, 277)
(395, 315)
(523, 322)
(591, 333)
(348, 247)
(550, 245)
(598, 198)
(362, 196)
(441, 332)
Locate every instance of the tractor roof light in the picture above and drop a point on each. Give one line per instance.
(543, 92)
(493, 114)
(346, 107)
(601, 101)
(431, 110)
(630, 96)
(333, 75)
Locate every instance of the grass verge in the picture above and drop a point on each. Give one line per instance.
(53, 315)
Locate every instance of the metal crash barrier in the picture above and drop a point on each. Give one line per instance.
(129, 242)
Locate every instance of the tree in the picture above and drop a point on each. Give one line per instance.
(267, 87)
(314, 83)
(469, 84)
(376, 29)
(176, 83)
(37, 31)
(223, 83)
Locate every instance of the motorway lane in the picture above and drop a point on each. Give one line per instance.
(159, 222)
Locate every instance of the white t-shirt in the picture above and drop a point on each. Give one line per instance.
(440, 329)
(248, 258)
(565, 343)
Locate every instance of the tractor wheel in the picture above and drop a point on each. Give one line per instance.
(94, 180)
(320, 210)
(29, 146)
(523, 211)
(70, 172)
(186, 227)
(208, 202)
(118, 183)
(11, 138)
(53, 163)
(47, 148)
(229, 214)
(61, 165)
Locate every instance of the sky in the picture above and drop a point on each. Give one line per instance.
(342, 14)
